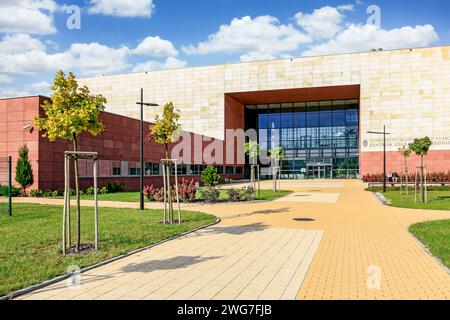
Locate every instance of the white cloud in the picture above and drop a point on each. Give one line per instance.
(23, 54)
(20, 42)
(30, 16)
(9, 92)
(5, 79)
(322, 23)
(95, 58)
(157, 47)
(262, 36)
(170, 63)
(122, 8)
(41, 86)
(358, 38)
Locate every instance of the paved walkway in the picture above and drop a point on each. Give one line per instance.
(319, 249)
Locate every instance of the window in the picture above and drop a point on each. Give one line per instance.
(134, 171)
(229, 170)
(152, 169)
(219, 169)
(197, 169)
(117, 171)
(239, 170)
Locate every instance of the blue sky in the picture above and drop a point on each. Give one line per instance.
(121, 36)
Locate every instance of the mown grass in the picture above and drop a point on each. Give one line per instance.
(435, 235)
(30, 240)
(438, 198)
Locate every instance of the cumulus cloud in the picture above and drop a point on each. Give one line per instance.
(262, 36)
(29, 16)
(94, 58)
(122, 8)
(358, 38)
(23, 54)
(324, 22)
(20, 42)
(155, 46)
(170, 63)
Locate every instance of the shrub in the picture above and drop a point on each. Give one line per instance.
(248, 193)
(103, 190)
(210, 177)
(15, 191)
(35, 193)
(187, 190)
(234, 195)
(90, 191)
(211, 194)
(153, 193)
(48, 193)
(115, 187)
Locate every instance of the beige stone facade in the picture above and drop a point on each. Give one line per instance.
(408, 90)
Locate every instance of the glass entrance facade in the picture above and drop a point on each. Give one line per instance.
(320, 138)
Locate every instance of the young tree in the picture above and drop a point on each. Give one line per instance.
(276, 154)
(72, 111)
(421, 147)
(253, 150)
(165, 130)
(406, 153)
(24, 172)
(210, 176)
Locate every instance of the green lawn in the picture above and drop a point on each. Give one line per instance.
(438, 198)
(133, 196)
(30, 241)
(266, 195)
(435, 236)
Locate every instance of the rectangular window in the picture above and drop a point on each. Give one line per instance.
(219, 169)
(239, 170)
(229, 170)
(116, 171)
(134, 171)
(152, 169)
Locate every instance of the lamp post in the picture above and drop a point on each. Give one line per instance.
(141, 178)
(384, 133)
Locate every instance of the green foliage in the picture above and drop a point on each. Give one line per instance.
(421, 146)
(252, 149)
(276, 153)
(15, 191)
(234, 194)
(24, 172)
(405, 151)
(211, 194)
(73, 110)
(248, 193)
(166, 128)
(210, 177)
(115, 187)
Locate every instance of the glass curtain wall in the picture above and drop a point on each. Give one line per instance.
(321, 139)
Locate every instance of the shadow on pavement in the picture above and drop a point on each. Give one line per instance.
(166, 264)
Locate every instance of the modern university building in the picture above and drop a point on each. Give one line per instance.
(321, 106)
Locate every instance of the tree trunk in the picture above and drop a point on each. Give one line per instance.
(422, 176)
(169, 191)
(77, 190)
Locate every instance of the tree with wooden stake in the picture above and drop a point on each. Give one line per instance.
(276, 154)
(404, 183)
(253, 150)
(24, 172)
(72, 111)
(421, 147)
(166, 130)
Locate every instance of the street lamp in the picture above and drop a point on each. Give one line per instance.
(384, 133)
(141, 180)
